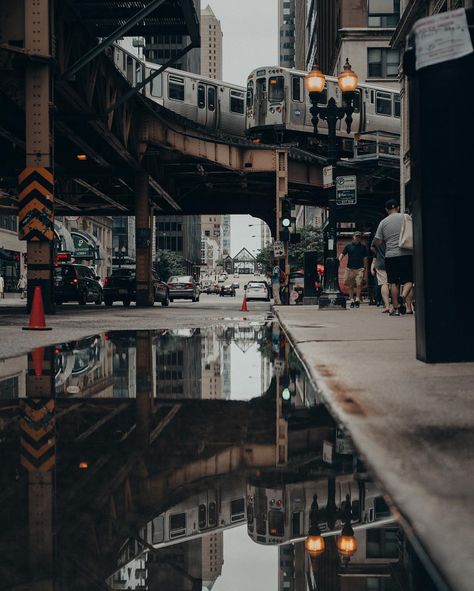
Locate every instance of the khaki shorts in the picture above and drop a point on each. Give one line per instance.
(381, 275)
(354, 277)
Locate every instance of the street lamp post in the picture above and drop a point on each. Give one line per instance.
(315, 83)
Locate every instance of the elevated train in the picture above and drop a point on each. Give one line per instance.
(275, 106)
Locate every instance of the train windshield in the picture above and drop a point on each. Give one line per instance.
(276, 523)
(276, 89)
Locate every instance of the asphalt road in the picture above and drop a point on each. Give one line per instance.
(72, 321)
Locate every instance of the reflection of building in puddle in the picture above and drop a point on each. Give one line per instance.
(13, 377)
(84, 368)
(178, 364)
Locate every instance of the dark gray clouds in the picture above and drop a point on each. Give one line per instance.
(250, 35)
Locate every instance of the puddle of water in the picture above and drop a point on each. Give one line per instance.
(186, 459)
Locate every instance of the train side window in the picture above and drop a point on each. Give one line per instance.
(177, 525)
(130, 69)
(212, 514)
(236, 102)
(138, 74)
(176, 88)
(324, 97)
(357, 101)
(276, 89)
(383, 103)
(250, 94)
(237, 509)
(201, 96)
(396, 105)
(211, 98)
(296, 94)
(157, 86)
(202, 513)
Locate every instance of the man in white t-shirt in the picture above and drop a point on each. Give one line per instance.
(398, 261)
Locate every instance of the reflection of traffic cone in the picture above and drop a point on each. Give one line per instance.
(244, 304)
(38, 357)
(37, 321)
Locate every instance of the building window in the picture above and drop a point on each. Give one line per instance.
(382, 543)
(384, 13)
(382, 62)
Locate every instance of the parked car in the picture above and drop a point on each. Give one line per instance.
(236, 285)
(183, 288)
(257, 290)
(227, 289)
(120, 286)
(76, 283)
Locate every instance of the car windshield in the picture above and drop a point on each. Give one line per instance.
(123, 273)
(65, 271)
(183, 279)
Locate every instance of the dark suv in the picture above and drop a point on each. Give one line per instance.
(77, 283)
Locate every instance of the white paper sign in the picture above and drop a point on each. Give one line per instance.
(327, 177)
(441, 38)
(278, 249)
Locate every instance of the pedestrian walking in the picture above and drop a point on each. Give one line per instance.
(377, 269)
(398, 261)
(357, 254)
(21, 286)
(2, 287)
(276, 283)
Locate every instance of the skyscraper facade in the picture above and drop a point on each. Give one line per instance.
(211, 45)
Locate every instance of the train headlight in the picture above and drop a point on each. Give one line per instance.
(315, 80)
(347, 79)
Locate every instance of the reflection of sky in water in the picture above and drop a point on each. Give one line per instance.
(245, 372)
(247, 566)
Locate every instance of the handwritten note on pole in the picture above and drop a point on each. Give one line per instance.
(441, 38)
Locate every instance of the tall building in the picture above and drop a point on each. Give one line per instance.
(160, 48)
(359, 31)
(286, 27)
(212, 558)
(211, 44)
(225, 235)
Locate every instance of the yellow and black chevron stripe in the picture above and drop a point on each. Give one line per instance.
(37, 434)
(35, 203)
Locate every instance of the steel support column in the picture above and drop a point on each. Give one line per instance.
(281, 193)
(38, 196)
(38, 459)
(145, 384)
(144, 241)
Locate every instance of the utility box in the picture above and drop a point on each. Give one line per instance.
(440, 67)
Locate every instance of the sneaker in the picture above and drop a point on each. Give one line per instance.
(402, 306)
(395, 313)
(357, 303)
(351, 305)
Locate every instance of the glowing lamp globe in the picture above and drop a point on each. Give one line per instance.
(348, 79)
(347, 546)
(314, 545)
(315, 80)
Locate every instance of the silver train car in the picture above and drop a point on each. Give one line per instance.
(278, 106)
(278, 514)
(211, 103)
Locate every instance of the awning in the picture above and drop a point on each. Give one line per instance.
(64, 237)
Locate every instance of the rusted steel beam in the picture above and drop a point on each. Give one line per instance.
(100, 194)
(162, 193)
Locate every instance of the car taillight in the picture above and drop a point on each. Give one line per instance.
(74, 281)
(188, 285)
(106, 281)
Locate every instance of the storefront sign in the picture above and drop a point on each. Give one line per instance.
(82, 248)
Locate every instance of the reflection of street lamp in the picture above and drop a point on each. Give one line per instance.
(120, 255)
(315, 83)
(346, 542)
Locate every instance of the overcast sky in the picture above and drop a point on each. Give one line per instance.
(250, 40)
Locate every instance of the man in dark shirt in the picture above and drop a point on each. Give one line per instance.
(357, 255)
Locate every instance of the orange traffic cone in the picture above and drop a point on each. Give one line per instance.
(37, 355)
(244, 304)
(37, 321)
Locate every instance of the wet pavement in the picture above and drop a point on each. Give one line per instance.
(188, 459)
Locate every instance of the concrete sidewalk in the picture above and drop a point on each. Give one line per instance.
(413, 422)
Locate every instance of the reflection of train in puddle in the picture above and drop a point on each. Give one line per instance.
(279, 512)
(213, 509)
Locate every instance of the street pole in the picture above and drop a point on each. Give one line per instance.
(332, 297)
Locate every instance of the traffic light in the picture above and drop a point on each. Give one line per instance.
(285, 213)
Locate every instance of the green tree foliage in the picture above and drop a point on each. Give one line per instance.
(168, 263)
(311, 239)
